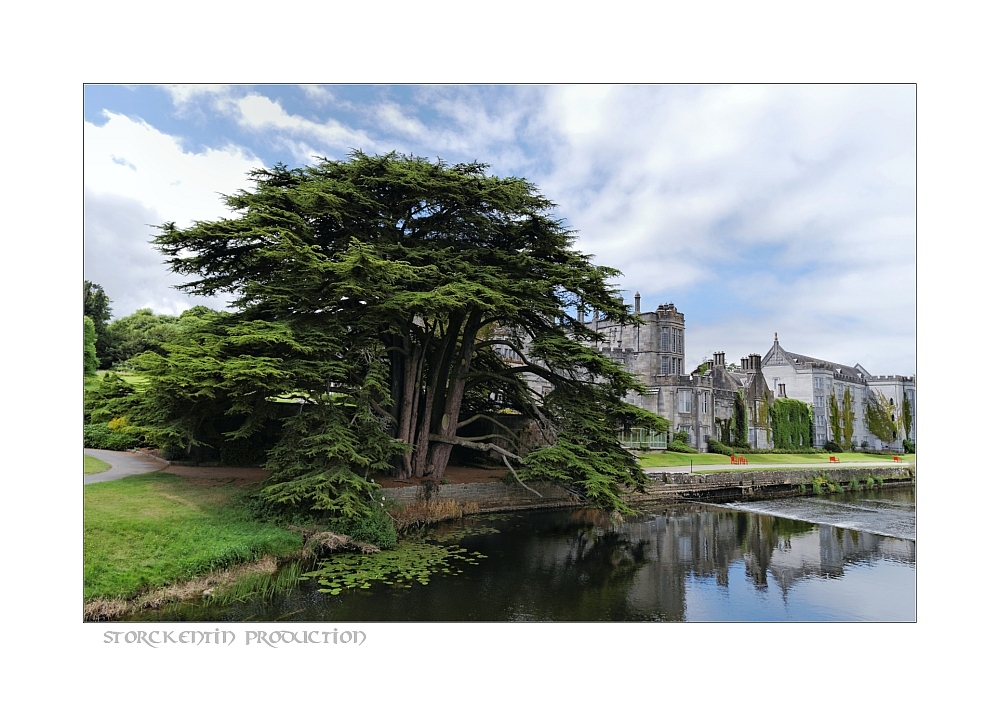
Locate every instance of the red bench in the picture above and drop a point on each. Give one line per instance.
(896, 459)
(739, 460)
(834, 459)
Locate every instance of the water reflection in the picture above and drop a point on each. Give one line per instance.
(691, 562)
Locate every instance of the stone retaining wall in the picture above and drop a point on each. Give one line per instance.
(665, 487)
(488, 496)
(734, 486)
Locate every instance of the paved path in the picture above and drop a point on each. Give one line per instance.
(123, 463)
(742, 468)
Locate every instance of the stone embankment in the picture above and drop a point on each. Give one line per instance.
(661, 488)
(488, 496)
(723, 487)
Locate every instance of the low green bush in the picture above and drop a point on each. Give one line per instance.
(99, 436)
(833, 447)
(717, 447)
(374, 527)
(909, 447)
(680, 447)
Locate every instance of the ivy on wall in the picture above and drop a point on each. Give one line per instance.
(740, 420)
(790, 424)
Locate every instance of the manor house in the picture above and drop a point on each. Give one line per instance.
(701, 405)
(815, 381)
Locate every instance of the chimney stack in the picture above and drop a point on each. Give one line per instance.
(719, 360)
(580, 311)
(636, 303)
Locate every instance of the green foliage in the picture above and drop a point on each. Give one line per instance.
(878, 417)
(909, 447)
(790, 423)
(726, 435)
(114, 397)
(260, 586)
(99, 436)
(740, 430)
(377, 290)
(324, 462)
(835, 425)
(906, 417)
(717, 447)
(680, 447)
(833, 447)
(90, 361)
(374, 526)
(848, 418)
(138, 332)
(854, 485)
(97, 307)
(411, 562)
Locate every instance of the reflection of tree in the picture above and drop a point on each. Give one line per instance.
(574, 566)
(765, 534)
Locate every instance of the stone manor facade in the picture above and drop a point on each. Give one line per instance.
(696, 404)
(702, 404)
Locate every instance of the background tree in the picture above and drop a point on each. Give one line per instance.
(97, 306)
(907, 417)
(879, 417)
(138, 332)
(89, 348)
(848, 418)
(835, 428)
(381, 290)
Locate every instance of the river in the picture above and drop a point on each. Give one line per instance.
(842, 558)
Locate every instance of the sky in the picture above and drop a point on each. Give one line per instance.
(755, 209)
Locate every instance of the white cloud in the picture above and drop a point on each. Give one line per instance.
(136, 178)
(260, 113)
(798, 201)
(132, 159)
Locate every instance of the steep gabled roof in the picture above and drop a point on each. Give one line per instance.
(778, 355)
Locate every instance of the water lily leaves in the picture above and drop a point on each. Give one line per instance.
(409, 562)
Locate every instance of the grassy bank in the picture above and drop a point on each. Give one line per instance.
(154, 529)
(673, 458)
(92, 383)
(94, 465)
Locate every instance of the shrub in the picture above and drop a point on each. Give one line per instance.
(681, 447)
(909, 447)
(373, 527)
(833, 447)
(99, 436)
(682, 437)
(717, 447)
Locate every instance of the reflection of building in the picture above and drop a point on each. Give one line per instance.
(815, 381)
(702, 405)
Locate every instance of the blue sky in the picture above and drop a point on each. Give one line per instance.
(754, 208)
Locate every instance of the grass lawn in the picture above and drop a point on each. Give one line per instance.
(673, 458)
(92, 383)
(152, 529)
(94, 465)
